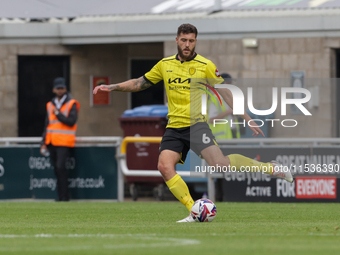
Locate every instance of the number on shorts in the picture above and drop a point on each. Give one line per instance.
(206, 139)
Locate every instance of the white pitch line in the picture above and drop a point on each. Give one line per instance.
(159, 236)
(155, 242)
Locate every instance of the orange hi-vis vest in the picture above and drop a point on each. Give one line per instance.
(58, 133)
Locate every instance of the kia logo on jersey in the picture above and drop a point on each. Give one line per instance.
(217, 73)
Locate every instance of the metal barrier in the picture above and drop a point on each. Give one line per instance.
(315, 142)
(14, 141)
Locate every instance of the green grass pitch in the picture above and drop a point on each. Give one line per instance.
(151, 228)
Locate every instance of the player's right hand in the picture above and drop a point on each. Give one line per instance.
(102, 88)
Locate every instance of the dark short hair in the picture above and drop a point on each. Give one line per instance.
(187, 29)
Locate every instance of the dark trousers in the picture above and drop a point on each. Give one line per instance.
(58, 155)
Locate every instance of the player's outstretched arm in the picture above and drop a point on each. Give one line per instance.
(132, 85)
(228, 98)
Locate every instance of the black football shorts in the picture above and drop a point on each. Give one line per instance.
(197, 137)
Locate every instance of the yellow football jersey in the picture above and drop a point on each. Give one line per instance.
(185, 83)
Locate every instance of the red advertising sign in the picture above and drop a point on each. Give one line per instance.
(101, 98)
(316, 187)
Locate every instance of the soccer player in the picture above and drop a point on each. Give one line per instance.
(187, 127)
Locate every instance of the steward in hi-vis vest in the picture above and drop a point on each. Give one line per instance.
(60, 133)
(218, 111)
(220, 131)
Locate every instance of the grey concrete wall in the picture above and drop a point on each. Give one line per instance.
(111, 60)
(270, 65)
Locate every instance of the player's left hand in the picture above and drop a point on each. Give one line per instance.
(255, 128)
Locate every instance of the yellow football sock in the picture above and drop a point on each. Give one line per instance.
(245, 164)
(180, 190)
